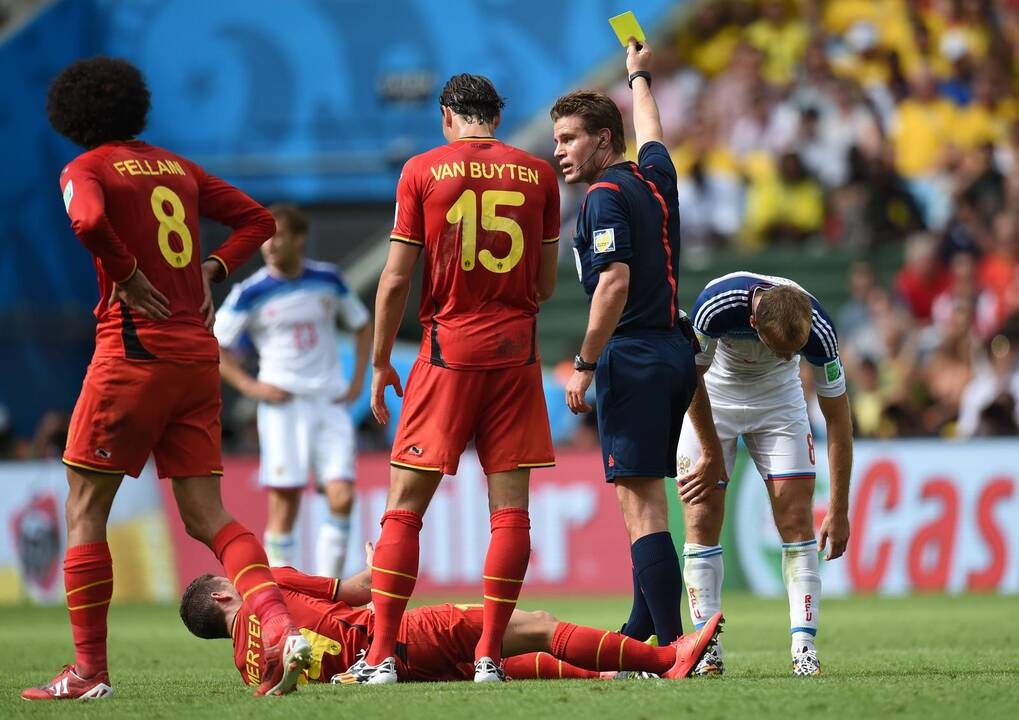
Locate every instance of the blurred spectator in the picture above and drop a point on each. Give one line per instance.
(784, 208)
(814, 82)
(922, 277)
(825, 141)
(982, 185)
(710, 40)
(711, 207)
(987, 118)
(731, 95)
(949, 370)
(782, 38)
(854, 315)
(999, 268)
(995, 384)
(964, 291)
(921, 129)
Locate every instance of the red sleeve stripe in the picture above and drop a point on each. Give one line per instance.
(665, 242)
(607, 185)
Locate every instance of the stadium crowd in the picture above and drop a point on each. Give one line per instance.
(856, 125)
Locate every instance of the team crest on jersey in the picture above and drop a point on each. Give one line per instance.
(604, 240)
(832, 371)
(683, 464)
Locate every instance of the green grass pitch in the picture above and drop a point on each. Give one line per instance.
(925, 656)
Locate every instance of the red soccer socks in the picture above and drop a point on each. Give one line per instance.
(602, 650)
(542, 666)
(88, 580)
(394, 572)
(246, 566)
(505, 565)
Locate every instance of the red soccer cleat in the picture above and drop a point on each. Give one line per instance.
(691, 648)
(69, 685)
(283, 662)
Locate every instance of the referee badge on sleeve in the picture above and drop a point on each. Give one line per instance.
(604, 240)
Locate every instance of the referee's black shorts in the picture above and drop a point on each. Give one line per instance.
(644, 384)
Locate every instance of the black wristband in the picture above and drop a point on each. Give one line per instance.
(640, 73)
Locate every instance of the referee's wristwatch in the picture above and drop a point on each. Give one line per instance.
(583, 365)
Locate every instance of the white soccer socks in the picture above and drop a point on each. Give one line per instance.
(703, 573)
(331, 547)
(279, 548)
(803, 583)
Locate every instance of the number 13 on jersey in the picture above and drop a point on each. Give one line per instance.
(465, 213)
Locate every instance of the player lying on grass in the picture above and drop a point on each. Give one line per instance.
(434, 643)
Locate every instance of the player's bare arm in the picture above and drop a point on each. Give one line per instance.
(390, 303)
(356, 590)
(234, 373)
(839, 422)
(548, 271)
(606, 308)
(362, 351)
(702, 480)
(647, 124)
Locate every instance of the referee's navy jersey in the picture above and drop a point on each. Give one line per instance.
(631, 215)
(645, 376)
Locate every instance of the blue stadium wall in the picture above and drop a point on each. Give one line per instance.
(307, 101)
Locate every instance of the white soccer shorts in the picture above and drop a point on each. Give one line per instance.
(303, 435)
(777, 437)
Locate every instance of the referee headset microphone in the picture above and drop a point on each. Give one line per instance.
(601, 144)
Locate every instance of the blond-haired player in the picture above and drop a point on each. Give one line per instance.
(753, 329)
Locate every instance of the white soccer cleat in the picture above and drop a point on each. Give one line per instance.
(486, 671)
(361, 673)
(805, 663)
(711, 664)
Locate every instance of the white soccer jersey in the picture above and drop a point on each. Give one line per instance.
(292, 324)
(745, 370)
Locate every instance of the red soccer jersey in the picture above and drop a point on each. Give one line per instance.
(482, 210)
(134, 205)
(336, 631)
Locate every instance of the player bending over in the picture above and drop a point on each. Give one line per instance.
(434, 643)
(752, 330)
(153, 383)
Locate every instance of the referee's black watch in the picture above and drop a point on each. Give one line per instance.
(583, 365)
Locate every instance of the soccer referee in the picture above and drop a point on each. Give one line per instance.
(638, 344)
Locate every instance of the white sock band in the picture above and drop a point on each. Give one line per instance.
(803, 583)
(703, 572)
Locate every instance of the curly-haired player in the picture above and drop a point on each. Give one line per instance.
(153, 383)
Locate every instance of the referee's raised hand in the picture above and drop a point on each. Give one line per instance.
(638, 56)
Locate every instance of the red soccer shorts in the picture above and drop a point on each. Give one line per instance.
(440, 642)
(128, 409)
(503, 410)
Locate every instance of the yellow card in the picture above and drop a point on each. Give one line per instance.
(626, 27)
